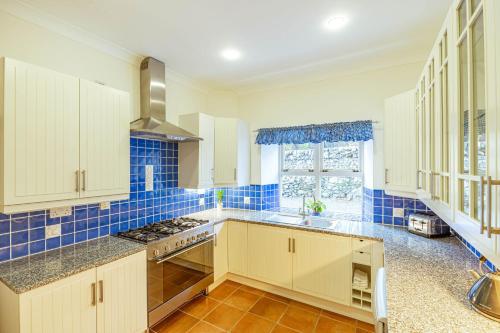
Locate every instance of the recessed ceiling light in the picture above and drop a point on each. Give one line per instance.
(231, 54)
(335, 22)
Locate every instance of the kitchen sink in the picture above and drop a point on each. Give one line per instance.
(286, 218)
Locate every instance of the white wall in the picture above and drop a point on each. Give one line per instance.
(354, 97)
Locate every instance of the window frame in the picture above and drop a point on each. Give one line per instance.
(319, 171)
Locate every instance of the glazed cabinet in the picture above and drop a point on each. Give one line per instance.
(399, 144)
(65, 141)
(107, 299)
(196, 159)
(232, 152)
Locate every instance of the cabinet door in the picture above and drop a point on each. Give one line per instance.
(122, 295)
(400, 143)
(206, 159)
(322, 265)
(270, 255)
(220, 250)
(60, 307)
(237, 240)
(40, 134)
(104, 140)
(226, 151)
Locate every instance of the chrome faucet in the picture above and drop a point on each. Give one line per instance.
(302, 212)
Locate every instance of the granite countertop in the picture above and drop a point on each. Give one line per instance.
(40, 269)
(427, 279)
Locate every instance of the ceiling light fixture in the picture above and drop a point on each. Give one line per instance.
(334, 23)
(231, 54)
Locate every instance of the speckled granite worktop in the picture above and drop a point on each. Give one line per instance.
(427, 279)
(40, 269)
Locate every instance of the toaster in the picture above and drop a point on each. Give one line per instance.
(427, 225)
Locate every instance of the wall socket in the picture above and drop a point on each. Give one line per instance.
(104, 205)
(149, 178)
(246, 200)
(52, 231)
(398, 212)
(202, 202)
(60, 212)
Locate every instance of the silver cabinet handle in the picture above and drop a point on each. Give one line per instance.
(235, 173)
(418, 180)
(431, 185)
(293, 245)
(101, 291)
(481, 197)
(386, 176)
(289, 245)
(77, 180)
(84, 180)
(488, 202)
(215, 240)
(93, 291)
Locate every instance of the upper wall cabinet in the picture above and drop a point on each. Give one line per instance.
(232, 152)
(104, 140)
(458, 124)
(64, 141)
(196, 159)
(400, 143)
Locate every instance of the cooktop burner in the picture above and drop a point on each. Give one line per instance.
(162, 229)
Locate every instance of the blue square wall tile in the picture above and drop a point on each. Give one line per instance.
(53, 243)
(19, 251)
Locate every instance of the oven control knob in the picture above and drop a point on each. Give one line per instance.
(176, 244)
(206, 233)
(182, 242)
(166, 248)
(156, 253)
(193, 238)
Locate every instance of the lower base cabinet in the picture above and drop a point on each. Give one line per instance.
(322, 265)
(220, 250)
(108, 299)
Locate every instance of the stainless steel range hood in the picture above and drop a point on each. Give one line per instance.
(152, 124)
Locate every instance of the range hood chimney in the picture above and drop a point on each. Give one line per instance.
(153, 124)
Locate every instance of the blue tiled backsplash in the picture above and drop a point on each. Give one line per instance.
(24, 233)
(378, 207)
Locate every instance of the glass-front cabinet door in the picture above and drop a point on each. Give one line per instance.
(476, 123)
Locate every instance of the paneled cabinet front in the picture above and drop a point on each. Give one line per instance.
(64, 141)
(107, 299)
(104, 140)
(270, 254)
(220, 250)
(40, 140)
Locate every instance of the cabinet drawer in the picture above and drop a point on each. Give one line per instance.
(363, 245)
(360, 257)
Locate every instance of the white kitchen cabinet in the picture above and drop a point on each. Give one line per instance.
(270, 254)
(65, 141)
(232, 152)
(104, 140)
(196, 159)
(400, 144)
(322, 265)
(220, 250)
(122, 295)
(237, 248)
(40, 141)
(107, 299)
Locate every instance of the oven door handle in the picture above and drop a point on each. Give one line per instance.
(170, 256)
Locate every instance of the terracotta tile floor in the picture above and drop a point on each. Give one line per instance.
(233, 307)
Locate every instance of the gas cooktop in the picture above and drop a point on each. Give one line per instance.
(163, 229)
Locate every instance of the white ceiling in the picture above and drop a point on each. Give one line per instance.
(279, 39)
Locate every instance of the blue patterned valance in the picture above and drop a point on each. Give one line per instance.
(335, 132)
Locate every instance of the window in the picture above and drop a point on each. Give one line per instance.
(332, 172)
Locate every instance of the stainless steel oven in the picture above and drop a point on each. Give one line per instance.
(175, 278)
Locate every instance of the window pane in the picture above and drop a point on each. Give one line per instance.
(465, 193)
(341, 156)
(479, 96)
(464, 106)
(474, 4)
(342, 194)
(293, 188)
(462, 16)
(298, 157)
